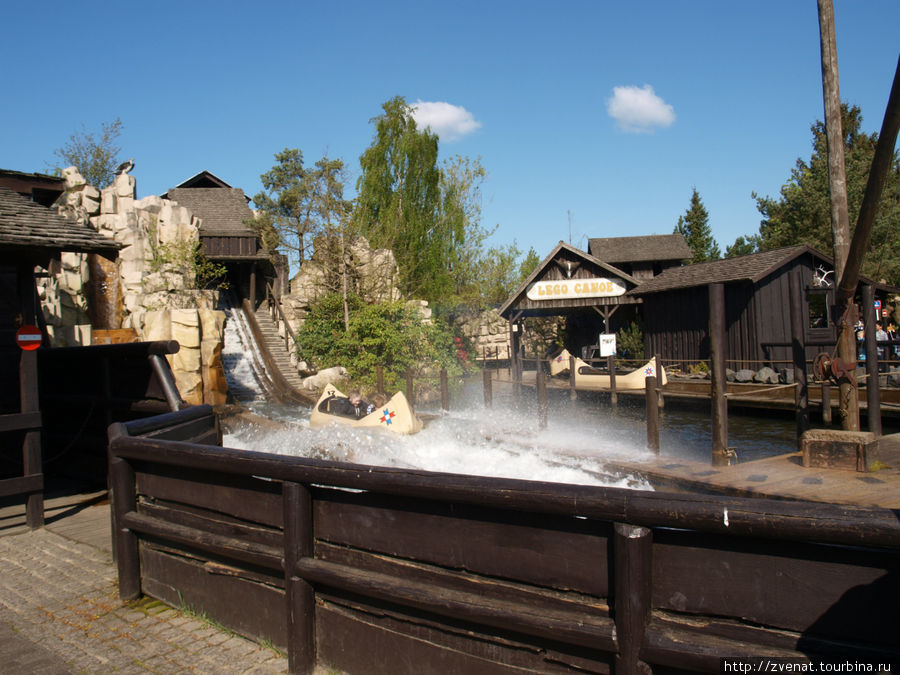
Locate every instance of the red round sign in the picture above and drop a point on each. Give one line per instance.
(29, 337)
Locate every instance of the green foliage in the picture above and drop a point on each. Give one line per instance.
(399, 199)
(300, 203)
(630, 341)
(95, 157)
(694, 227)
(388, 334)
(743, 246)
(802, 212)
(187, 260)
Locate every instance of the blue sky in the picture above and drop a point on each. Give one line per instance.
(612, 112)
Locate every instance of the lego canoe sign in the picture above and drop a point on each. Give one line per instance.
(569, 289)
(29, 337)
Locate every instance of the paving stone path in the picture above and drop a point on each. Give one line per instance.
(60, 613)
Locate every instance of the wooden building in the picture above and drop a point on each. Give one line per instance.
(757, 306)
(224, 234)
(31, 235)
(642, 257)
(574, 284)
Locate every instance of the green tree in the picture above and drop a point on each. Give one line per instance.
(95, 156)
(694, 227)
(299, 202)
(743, 246)
(802, 213)
(399, 198)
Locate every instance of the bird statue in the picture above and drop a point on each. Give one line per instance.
(125, 167)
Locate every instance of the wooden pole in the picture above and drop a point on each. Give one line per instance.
(826, 403)
(31, 445)
(633, 549)
(445, 390)
(873, 387)
(541, 387)
(301, 604)
(659, 369)
(124, 501)
(379, 378)
(652, 413)
(720, 454)
(410, 394)
(611, 366)
(798, 351)
(573, 393)
(488, 388)
(840, 219)
(253, 286)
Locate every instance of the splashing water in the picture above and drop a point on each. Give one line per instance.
(503, 442)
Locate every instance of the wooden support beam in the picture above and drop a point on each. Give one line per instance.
(720, 453)
(873, 389)
(301, 603)
(652, 413)
(633, 549)
(798, 350)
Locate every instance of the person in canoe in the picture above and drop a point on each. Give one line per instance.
(352, 406)
(395, 414)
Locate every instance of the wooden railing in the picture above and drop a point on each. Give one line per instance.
(372, 569)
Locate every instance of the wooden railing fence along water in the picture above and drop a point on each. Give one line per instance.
(73, 396)
(371, 569)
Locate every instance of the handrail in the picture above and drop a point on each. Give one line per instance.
(273, 302)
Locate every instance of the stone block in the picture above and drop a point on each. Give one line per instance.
(838, 449)
(73, 177)
(157, 325)
(186, 328)
(186, 359)
(92, 206)
(151, 204)
(108, 201)
(125, 185)
(190, 386)
(212, 324)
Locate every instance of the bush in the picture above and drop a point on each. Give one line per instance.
(388, 334)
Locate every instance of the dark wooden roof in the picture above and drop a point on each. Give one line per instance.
(37, 187)
(204, 179)
(27, 225)
(578, 254)
(222, 210)
(752, 267)
(654, 247)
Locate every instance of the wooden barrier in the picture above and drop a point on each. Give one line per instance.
(371, 569)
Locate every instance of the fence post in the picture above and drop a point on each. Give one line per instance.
(541, 387)
(410, 394)
(632, 592)
(488, 388)
(798, 350)
(445, 390)
(31, 445)
(573, 392)
(124, 501)
(720, 454)
(611, 365)
(873, 386)
(652, 414)
(659, 369)
(301, 603)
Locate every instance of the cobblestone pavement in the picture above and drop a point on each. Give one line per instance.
(60, 613)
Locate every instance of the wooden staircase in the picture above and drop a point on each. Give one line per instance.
(276, 345)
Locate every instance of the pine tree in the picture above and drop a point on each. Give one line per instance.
(694, 227)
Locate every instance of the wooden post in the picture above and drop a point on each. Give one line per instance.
(540, 386)
(720, 455)
(410, 394)
(379, 378)
(445, 390)
(798, 350)
(633, 549)
(488, 388)
(124, 501)
(659, 369)
(873, 387)
(31, 445)
(611, 365)
(573, 393)
(253, 286)
(652, 414)
(826, 403)
(301, 603)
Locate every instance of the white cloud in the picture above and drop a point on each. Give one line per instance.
(639, 109)
(450, 122)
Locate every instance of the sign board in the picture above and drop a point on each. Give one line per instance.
(607, 344)
(29, 337)
(877, 304)
(568, 289)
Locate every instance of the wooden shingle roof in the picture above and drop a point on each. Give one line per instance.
(27, 225)
(751, 267)
(221, 210)
(654, 247)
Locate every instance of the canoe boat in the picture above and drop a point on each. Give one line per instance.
(587, 376)
(396, 415)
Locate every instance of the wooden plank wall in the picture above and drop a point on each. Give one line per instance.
(398, 571)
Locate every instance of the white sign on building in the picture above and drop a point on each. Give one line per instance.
(570, 289)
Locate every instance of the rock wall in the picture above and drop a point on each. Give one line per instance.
(487, 334)
(149, 288)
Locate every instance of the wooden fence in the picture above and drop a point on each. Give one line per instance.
(370, 569)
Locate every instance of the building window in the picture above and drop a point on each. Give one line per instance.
(818, 310)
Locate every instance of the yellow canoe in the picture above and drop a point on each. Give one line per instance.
(396, 415)
(587, 377)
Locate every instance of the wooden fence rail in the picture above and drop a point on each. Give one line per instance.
(371, 569)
